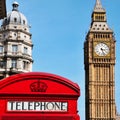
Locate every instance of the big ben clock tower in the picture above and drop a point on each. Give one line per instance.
(99, 60)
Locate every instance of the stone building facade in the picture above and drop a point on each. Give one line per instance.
(15, 44)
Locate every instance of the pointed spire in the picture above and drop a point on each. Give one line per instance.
(98, 7)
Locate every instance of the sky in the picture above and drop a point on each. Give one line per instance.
(58, 30)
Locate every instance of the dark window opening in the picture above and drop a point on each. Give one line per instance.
(15, 19)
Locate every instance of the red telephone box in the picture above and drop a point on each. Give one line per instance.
(38, 96)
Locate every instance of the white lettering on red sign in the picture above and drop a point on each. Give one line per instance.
(37, 106)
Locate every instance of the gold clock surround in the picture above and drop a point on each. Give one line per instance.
(98, 56)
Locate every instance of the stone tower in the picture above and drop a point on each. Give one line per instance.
(99, 60)
(15, 44)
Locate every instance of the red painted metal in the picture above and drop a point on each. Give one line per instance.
(39, 87)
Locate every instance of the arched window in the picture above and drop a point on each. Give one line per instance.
(15, 19)
(1, 49)
(24, 22)
(14, 63)
(25, 65)
(14, 49)
(2, 64)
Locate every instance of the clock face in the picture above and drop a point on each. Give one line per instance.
(101, 49)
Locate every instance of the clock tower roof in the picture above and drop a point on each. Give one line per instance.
(99, 20)
(98, 7)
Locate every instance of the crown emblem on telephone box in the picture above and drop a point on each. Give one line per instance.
(38, 86)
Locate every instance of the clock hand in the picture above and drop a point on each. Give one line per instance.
(103, 51)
